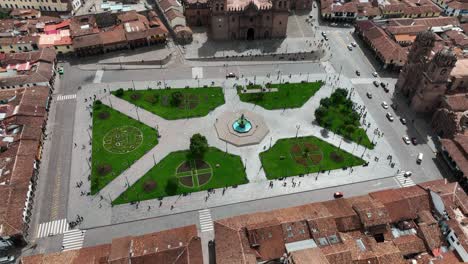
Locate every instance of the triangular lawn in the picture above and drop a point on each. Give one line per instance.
(117, 144)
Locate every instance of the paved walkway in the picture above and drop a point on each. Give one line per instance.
(96, 210)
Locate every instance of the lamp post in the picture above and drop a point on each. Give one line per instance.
(297, 129)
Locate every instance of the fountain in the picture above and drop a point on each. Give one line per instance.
(242, 125)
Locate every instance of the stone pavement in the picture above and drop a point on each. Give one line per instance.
(97, 211)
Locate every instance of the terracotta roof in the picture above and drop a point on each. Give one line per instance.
(431, 235)
(457, 102)
(411, 29)
(176, 246)
(345, 217)
(172, 14)
(458, 151)
(311, 255)
(371, 212)
(128, 16)
(167, 4)
(85, 41)
(409, 244)
(461, 69)
(114, 36)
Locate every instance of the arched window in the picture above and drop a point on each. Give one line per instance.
(217, 7)
(222, 7)
(280, 4)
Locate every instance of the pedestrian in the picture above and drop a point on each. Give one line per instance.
(160, 203)
(172, 207)
(149, 207)
(100, 205)
(75, 144)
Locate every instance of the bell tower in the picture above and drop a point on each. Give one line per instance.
(417, 58)
(433, 82)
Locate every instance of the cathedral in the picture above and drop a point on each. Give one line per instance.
(243, 19)
(424, 78)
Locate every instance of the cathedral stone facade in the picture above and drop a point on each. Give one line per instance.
(243, 19)
(424, 78)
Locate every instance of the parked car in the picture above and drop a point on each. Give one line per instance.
(350, 47)
(384, 105)
(326, 38)
(60, 70)
(376, 83)
(390, 117)
(358, 73)
(338, 195)
(420, 158)
(353, 44)
(407, 174)
(230, 75)
(403, 121)
(414, 141)
(324, 34)
(406, 140)
(382, 84)
(369, 95)
(375, 74)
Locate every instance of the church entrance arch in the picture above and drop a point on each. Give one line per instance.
(250, 34)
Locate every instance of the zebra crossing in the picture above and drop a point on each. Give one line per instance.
(73, 239)
(52, 228)
(206, 223)
(404, 181)
(66, 97)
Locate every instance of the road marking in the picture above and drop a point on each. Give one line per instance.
(404, 181)
(206, 223)
(362, 80)
(98, 76)
(73, 239)
(197, 72)
(52, 228)
(66, 97)
(56, 194)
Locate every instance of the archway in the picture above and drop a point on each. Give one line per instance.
(250, 34)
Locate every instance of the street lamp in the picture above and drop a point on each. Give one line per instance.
(297, 131)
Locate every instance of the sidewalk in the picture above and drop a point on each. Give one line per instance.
(282, 124)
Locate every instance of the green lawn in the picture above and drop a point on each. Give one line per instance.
(289, 95)
(229, 172)
(196, 102)
(336, 113)
(118, 141)
(289, 157)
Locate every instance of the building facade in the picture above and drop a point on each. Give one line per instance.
(44, 5)
(242, 19)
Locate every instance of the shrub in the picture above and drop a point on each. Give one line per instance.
(149, 185)
(104, 115)
(119, 92)
(198, 146)
(135, 96)
(152, 98)
(176, 99)
(98, 102)
(104, 169)
(336, 157)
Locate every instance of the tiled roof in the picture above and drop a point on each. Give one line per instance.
(457, 102)
(458, 151)
(175, 246)
(371, 212)
(409, 244)
(311, 255)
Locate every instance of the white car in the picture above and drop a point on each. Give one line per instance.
(407, 174)
(384, 105)
(353, 44)
(230, 75)
(375, 74)
(406, 140)
(350, 47)
(390, 117)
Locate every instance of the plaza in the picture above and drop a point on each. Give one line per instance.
(174, 138)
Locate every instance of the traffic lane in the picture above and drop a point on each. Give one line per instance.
(147, 74)
(393, 133)
(297, 199)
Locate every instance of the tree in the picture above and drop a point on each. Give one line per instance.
(176, 99)
(320, 114)
(171, 187)
(198, 146)
(119, 92)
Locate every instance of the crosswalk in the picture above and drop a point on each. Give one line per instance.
(98, 76)
(52, 228)
(404, 181)
(66, 97)
(73, 239)
(206, 223)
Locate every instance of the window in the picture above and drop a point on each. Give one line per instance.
(280, 4)
(233, 19)
(267, 17)
(251, 19)
(222, 7)
(217, 7)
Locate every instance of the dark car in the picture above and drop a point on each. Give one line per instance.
(403, 121)
(338, 195)
(376, 83)
(414, 141)
(382, 84)
(358, 73)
